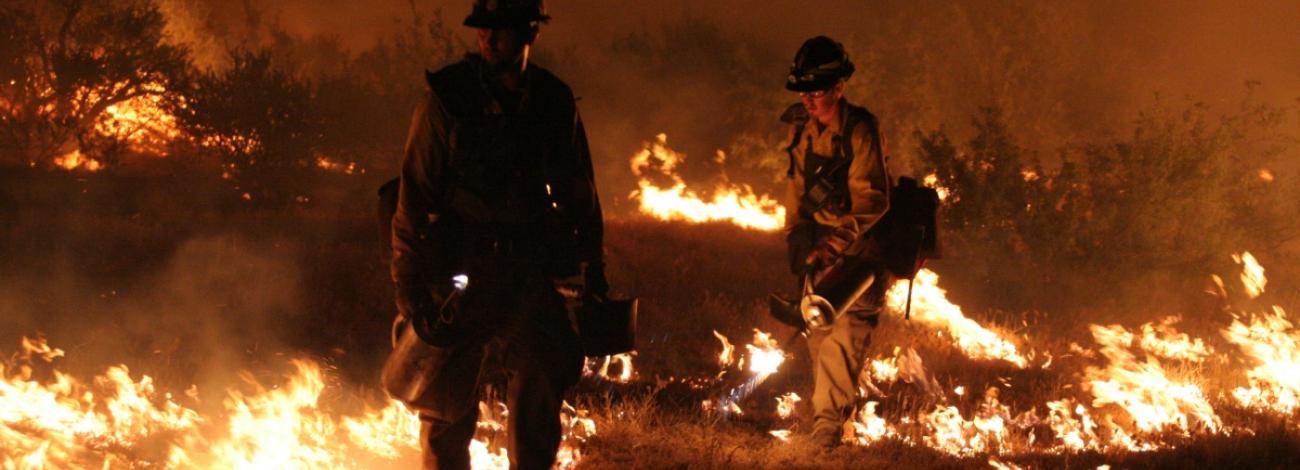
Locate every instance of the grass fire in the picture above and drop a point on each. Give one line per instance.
(196, 270)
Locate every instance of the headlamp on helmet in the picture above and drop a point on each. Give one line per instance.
(820, 63)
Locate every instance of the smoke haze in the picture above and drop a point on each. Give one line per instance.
(710, 74)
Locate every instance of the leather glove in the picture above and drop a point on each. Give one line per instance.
(594, 280)
(832, 247)
(432, 313)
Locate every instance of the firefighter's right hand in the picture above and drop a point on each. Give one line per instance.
(831, 248)
(433, 314)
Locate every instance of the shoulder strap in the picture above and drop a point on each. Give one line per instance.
(855, 115)
(797, 116)
(858, 114)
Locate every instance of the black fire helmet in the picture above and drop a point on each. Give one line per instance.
(506, 13)
(820, 63)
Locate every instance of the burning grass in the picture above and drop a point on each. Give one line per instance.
(1210, 388)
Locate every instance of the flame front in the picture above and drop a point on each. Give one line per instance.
(1143, 389)
(1272, 343)
(141, 122)
(121, 422)
(930, 305)
(673, 201)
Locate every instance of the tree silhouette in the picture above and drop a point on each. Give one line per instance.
(63, 63)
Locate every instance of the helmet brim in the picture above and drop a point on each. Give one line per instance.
(804, 84)
(492, 21)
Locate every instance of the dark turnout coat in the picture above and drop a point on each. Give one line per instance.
(491, 177)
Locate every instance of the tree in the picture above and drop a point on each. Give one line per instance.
(255, 119)
(1167, 204)
(64, 63)
(253, 115)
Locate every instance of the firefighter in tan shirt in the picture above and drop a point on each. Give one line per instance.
(839, 184)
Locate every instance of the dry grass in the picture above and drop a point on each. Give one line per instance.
(95, 265)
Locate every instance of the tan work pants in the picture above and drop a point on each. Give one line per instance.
(838, 353)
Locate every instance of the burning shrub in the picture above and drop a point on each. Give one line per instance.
(65, 65)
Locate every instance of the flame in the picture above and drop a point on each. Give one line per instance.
(141, 122)
(578, 427)
(1073, 425)
(868, 427)
(932, 180)
(905, 365)
(118, 421)
(350, 168)
(728, 355)
(1143, 390)
(387, 432)
(736, 204)
(785, 404)
(885, 370)
(951, 433)
(1000, 465)
(1271, 341)
(624, 374)
(765, 357)
(930, 305)
(74, 160)
(482, 457)
(1252, 274)
(66, 423)
(279, 428)
(1266, 175)
(1162, 340)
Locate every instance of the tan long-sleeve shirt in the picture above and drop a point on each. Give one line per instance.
(868, 175)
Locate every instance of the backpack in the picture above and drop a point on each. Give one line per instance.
(910, 228)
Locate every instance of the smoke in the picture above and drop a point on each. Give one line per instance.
(217, 305)
(710, 74)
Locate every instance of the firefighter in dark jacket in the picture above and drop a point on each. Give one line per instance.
(497, 203)
(840, 185)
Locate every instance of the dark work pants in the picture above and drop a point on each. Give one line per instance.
(528, 337)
